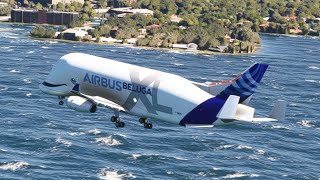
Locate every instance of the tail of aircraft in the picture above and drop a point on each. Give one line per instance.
(245, 84)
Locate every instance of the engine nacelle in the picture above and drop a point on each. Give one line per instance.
(81, 104)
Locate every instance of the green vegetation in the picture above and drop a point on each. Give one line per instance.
(41, 32)
(283, 15)
(5, 10)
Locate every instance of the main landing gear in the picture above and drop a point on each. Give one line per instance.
(145, 123)
(61, 100)
(117, 121)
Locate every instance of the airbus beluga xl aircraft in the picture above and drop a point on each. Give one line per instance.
(87, 82)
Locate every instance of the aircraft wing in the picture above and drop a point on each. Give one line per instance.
(97, 100)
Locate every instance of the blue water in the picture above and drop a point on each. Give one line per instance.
(40, 139)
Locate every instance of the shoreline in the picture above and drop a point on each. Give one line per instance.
(206, 52)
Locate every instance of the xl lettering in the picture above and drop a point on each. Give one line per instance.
(152, 107)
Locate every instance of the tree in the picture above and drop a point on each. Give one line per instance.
(38, 6)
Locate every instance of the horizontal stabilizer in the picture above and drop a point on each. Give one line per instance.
(258, 120)
(279, 110)
(229, 109)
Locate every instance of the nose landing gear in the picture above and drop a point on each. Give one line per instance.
(61, 100)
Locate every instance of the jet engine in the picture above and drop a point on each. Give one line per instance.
(81, 104)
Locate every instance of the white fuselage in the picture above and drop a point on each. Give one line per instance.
(141, 91)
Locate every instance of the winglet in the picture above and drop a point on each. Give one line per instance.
(279, 110)
(76, 88)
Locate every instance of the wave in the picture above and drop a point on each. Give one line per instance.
(29, 94)
(94, 131)
(239, 175)
(314, 67)
(28, 81)
(13, 166)
(306, 123)
(76, 133)
(59, 140)
(30, 52)
(3, 87)
(279, 127)
(109, 174)
(109, 141)
(15, 71)
(243, 147)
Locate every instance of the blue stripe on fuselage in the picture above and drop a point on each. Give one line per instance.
(205, 113)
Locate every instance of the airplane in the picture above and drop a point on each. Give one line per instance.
(85, 82)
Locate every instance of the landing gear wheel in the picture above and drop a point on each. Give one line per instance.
(120, 124)
(142, 120)
(115, 118)
(61, 103)
(148, 125)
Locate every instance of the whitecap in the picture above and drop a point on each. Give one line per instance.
(314, 67)
(136, 156)
(76, 133)
(272, 159)
(53, 42)
(109, 141)
(259, 151)
(178, 64)
(310, 80)
(29, 94)
(180, 158)
(170, 172)
(30, 52)
(216, 168)
(13, 165)
(244, 147)
(110, 174)
(14, 71)
(236, 175)
(279, 127)
(254, 157)
(28, 81)
(306, 123)
(3, 87)
(59, 140)
(226, 146)
(45, 47)
(94, 131)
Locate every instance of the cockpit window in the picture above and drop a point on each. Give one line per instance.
(52, 85)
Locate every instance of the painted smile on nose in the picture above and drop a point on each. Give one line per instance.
(52, 85)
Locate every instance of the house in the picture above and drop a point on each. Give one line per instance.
(175, 18)
(128, 10)
(180, 46)
(190, 46)
(110, 40)
(295, 31)
(72, 34)
(132, 41)
(3, 4)
(142, 33)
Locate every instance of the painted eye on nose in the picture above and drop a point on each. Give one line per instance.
(73, 81)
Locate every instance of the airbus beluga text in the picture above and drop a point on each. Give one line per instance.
(87, 82)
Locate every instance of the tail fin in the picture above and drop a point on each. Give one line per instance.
(245, 84)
